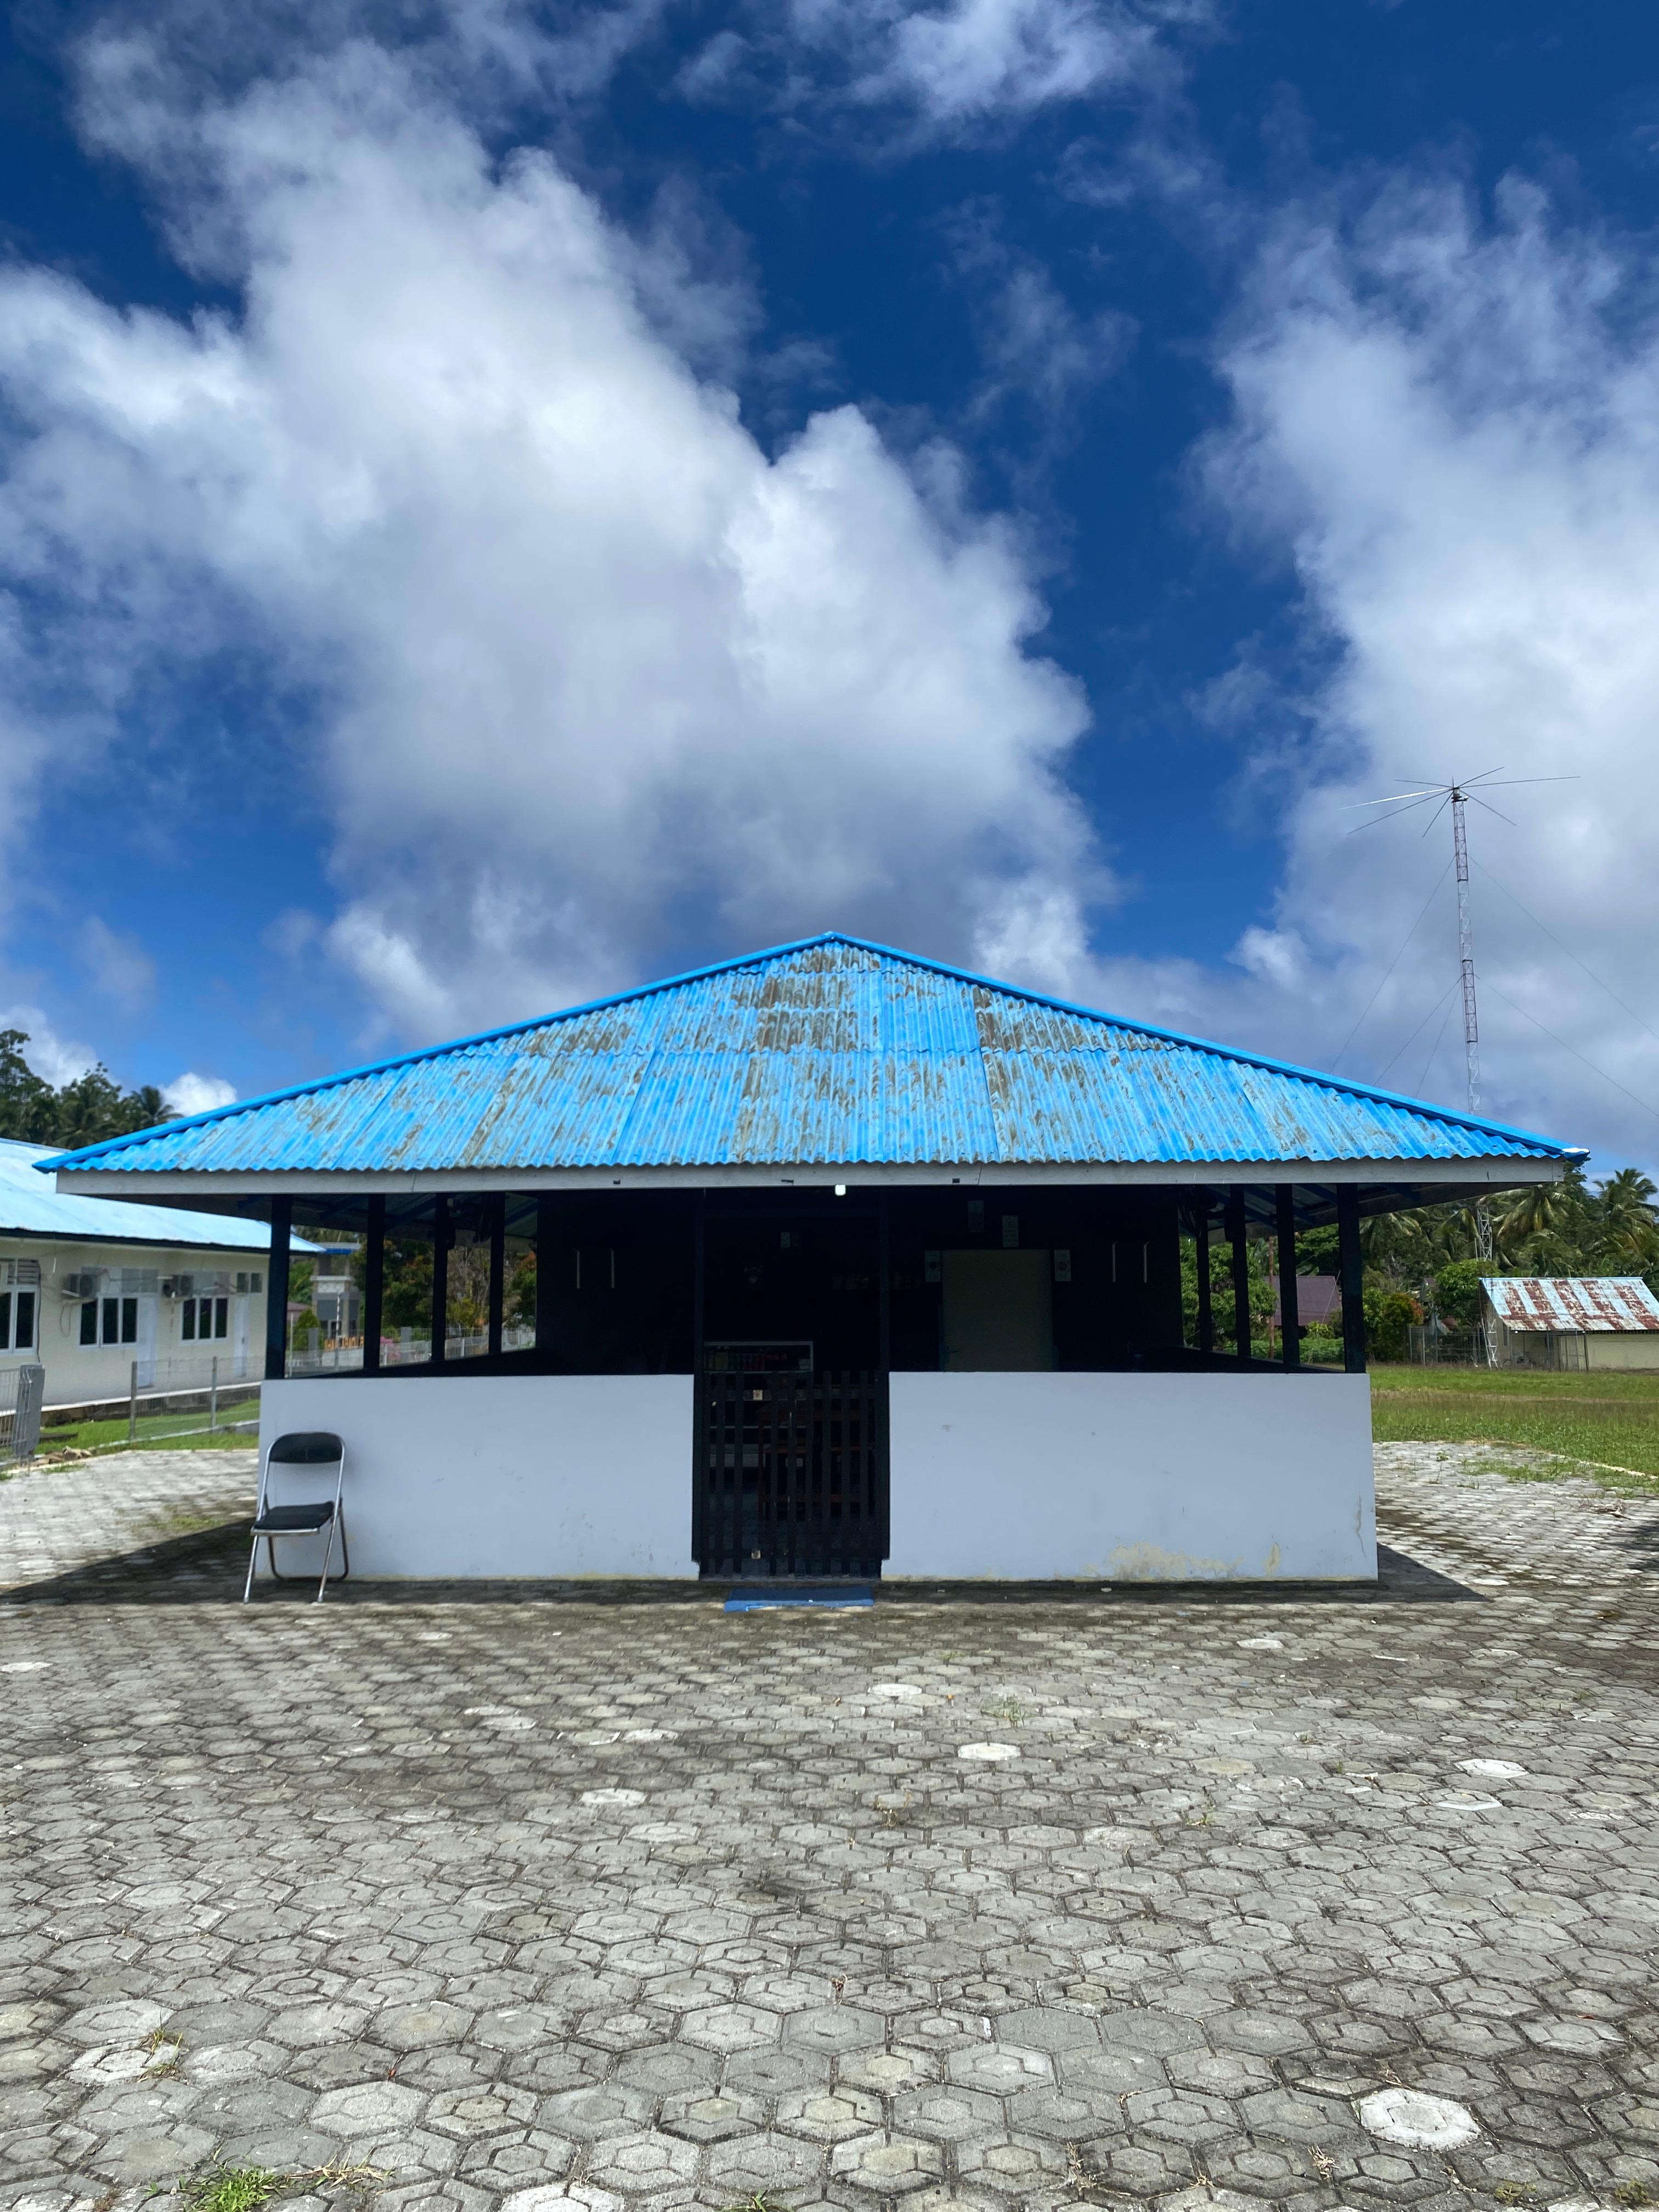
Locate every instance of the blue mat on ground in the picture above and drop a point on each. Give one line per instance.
(762, 1599)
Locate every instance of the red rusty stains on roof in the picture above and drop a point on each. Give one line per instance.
(1574, 1304)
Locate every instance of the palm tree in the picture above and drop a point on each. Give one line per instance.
(1629, 1229)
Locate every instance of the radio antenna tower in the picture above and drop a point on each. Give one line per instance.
(1458, 796)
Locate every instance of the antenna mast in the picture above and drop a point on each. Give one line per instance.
(1466, 948)
(1471, 1018)
(1458, 795)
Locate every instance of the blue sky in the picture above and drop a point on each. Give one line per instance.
(496, 503)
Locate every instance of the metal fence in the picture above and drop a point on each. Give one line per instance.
(21, 1390)
(1436, 1344)
(312, 1353)
(165, 1401)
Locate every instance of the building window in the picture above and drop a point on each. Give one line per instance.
(16, 1320)
(205, 1318)
(109, 1321)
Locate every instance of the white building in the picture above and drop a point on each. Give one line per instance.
(89, 1287)
(844, 1264)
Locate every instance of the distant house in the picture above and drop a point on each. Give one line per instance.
(90, 1285)
(1318, 1302)
(1572, 1321)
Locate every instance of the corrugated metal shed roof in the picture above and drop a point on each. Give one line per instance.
(29, 1207)
(1573, 1304)
(827, 1052)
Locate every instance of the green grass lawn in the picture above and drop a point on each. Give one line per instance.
(156, 1431)
(1599, 1420)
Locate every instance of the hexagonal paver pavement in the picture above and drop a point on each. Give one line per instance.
(463, 1899)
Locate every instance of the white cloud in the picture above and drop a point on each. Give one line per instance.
(1447, 427)
(975, 58)
(958, 71)
(190, 1093)
(587, 661)
(55, 1059)
(116, 963)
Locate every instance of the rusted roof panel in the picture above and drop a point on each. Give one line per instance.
(831, 1052)
(1573, 1304)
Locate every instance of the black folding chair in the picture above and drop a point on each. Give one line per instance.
(301, 1447)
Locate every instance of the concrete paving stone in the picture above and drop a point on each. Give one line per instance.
(1015, 2166)
(732, 2027)
(279, 2150)
(945, 2113)
(596, 2110)
(884, 2073)
(760, 1954)
(705, 2117)
(368, 2108)
(772, 2071)
(1034, 2028)
(1063, 2118)
(887, 2166)
(1001, 2071)
(149, 2155)
(643, 2164)
(765, 2165)
(483, 2110)
(666, 2069)
(828, 2115)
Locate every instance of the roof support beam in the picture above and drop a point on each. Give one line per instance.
(374, 1284)
(1290, 1318)
(1235, 1237)
(1352, 1262)
(282, 1228)
(440, 1277)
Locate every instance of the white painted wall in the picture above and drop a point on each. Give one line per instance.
(1132, 1477)
(537, 1475)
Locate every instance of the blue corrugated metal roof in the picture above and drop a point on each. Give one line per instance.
(29, 1207)
(831, 1052)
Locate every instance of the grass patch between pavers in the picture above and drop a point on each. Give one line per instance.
(1603, 1427)
(244, 2188)
(233, 2188)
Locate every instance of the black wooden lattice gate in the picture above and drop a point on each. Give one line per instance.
(792, 1475)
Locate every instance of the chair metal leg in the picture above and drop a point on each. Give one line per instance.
(328, 1553)
(253, 1560)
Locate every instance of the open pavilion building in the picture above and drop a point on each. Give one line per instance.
(829, 1262)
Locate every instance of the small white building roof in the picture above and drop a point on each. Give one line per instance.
(29, 1207)
(1614, 1305)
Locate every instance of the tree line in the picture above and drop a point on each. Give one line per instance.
(1421, 1266)
(84, 1112)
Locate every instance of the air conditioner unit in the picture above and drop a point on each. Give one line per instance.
(170, 1287)
(84, 1285)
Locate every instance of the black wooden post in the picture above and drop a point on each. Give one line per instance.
(1353, 1278)
(883, 1466)
(701, 1532)
(374, 1284)
(282, 1230)
(1290, 1318)
(1205, 1298)
(1235, 1237)
(547, 1229)
(497, 1272)
(440, 1277)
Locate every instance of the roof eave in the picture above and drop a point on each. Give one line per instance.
(178, 1186)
